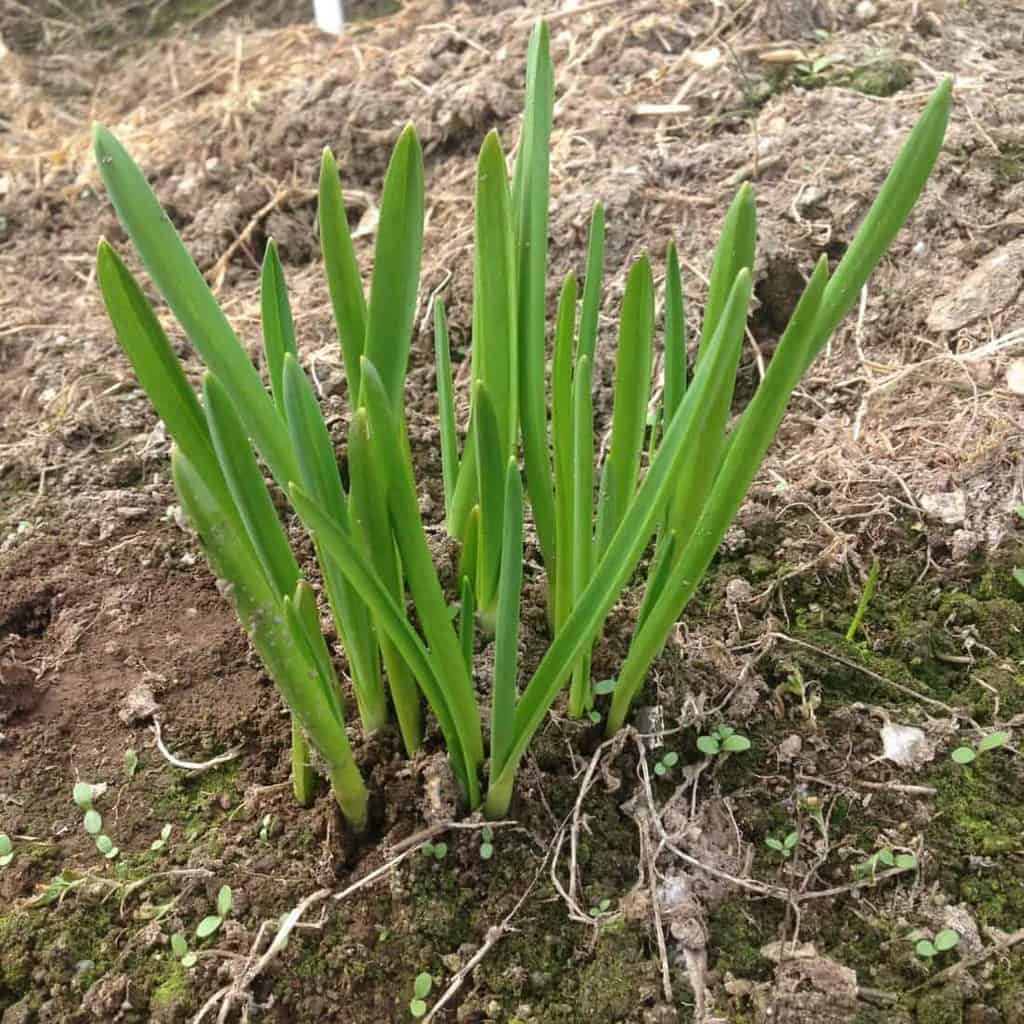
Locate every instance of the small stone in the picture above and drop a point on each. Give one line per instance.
(1015, 376)
(865, 12)
(949, 507)
(790, 748)
(139, 705)
(738, 591)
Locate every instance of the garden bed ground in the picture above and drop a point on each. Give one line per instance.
(903, 445)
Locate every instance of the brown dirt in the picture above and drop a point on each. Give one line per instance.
(227, 107)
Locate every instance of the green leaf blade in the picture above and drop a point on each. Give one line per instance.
(395, 283)
(342, 270)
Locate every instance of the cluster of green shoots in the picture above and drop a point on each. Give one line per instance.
(675, 472)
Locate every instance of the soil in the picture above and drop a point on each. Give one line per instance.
(902, 448)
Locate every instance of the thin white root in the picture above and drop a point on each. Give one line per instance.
(190, 766)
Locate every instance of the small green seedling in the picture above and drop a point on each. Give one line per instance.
(595, 716)
(420, 990)
(486, 843)
(723, 740)
(994, 740)
(265, 826)
(212, 922)
(927, 949)
(807, 692)
(83, 794)
(862, 604)
(601, 908)
(165, 834)
(784, 847)
(885, 858)
(131, 763)
(666, 763)
(179, 947)
(58, 887)
(6, 850)
(436, 850)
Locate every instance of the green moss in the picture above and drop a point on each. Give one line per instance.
(186, 803)
(609, 983)
(940, 1006)
(735, 943)
(882, 77)
(977, 834)
(14, 961)
(1008, 165)
(174, 991)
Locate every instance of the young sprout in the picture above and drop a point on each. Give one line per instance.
(601, 908)
(862, 604)
(131, 763)
(723, 740)
(265, 826)
(179, 947)
(666, 763)
(436, 850)
(420, 990)
(928, 949)
(784, 847)
(83, 794)
(6, 850)
(165, 834)
(994, 740)
(212, 922)
(106, 846)
(887, 858)
(486, 843)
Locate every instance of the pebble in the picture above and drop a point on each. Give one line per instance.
(865, 11)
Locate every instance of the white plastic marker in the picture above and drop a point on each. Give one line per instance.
(329, 16)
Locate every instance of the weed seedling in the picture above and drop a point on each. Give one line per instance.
(806, 692)
(212, 922)
(927, 949)
(600, 909)
(436, 850)
(994, 740)
(6, 850)
(131, 763)
(165, 834)
(862, 604)
(666, 763)
(784, 847)
(486, 843)
(83, 794)
(723, 740)
(265, 826)
(885, 858)
(179, 947)
(420, 990)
